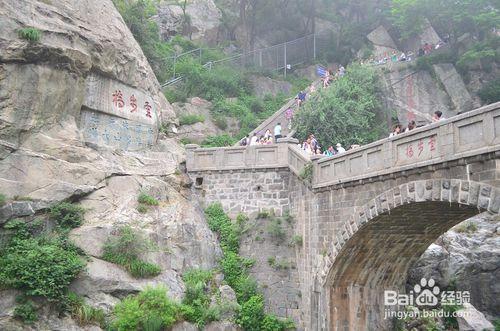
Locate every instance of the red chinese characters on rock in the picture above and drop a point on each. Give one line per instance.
(421, 147)
(118, 99)
(133, 103)
(148, 108)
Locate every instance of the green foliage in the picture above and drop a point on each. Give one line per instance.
(25, 310)
(222, 140)
(496, 324)
(39, 266)
(276, 231)
(196, 300)
(30, 34)
(83, 313)
(235, 270)
(125, 249)
(142, 208)
(146, 310)
(296, 240)
(489, 93)
(467, 227)
(264, 214)
(67, 215)
(450, 322)
(306, 173)
(273, 323)
(345, 113)
(252, 313)
(191, 119)
(3, 198)
(220, 121)
(146, 199)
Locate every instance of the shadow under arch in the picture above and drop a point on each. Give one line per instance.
(376, 257)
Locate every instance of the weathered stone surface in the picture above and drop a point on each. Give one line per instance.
(204, 17)
(382, 42)
(470, 260)
(263, 86)
(471, 319)
(454, 86)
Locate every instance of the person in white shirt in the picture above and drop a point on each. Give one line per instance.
(438, 116)
(340, 149)
(277, 132)
(253, 141)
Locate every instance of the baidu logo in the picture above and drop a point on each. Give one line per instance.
(426, 294)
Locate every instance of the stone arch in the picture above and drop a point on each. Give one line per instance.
(375, 247)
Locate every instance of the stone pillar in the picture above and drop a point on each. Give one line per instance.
(283, 147)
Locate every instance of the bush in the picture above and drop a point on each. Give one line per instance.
(273, 323)
(252, 313)
(220, 121)
(125, 248)
(296, 240)
(196, 300)
(67, 215)
(143, 209)
(3, 198)
(490, 92)
(276, 231)
(149, 308)
(40, 266)
(146, 199)
(191, 119)
(83, 313)
(306, 173)
(25, 310)
(223, 140)
(30, 34)
(220, 223)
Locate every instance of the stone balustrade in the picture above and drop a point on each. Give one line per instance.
(472, 133)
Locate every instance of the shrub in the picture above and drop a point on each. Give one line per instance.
(252, 313)
(220, 121)
(125, 248)
(142, 208)
(467, 227)
(273, 323)
(264, 213)
(83, 313)
(306, 173)
(3, 198)
(146, 309)
(276, 231)
(191, 119)
(271, 261)
(296, 240)
(67, 215)
(222, 140)
(25, 310)
(197, 297)
(220, 223)
(40, 266)
(288, 217)
(490, 92)
(146, 199)
(30, 34)
(245, 288)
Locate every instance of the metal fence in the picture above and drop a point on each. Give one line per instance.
(280, 58)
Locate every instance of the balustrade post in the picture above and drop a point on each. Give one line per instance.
(190, 160)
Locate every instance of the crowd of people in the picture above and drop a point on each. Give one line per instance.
(311, 147)
(266, 139)
(425, 49)
(398, 128)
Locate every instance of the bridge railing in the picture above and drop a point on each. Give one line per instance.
(469, 134)
(472, 133)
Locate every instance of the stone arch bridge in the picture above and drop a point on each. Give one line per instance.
(366, 215)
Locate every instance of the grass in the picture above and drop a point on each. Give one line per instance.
(83, 313)
(67, 215)
(191, 119)
(146, 199)
(125, 249)
(467, 227)
(296, 241)
(22, 198)
(276, 231)
(3, 198)
(30, 34)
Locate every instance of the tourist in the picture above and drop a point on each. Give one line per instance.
(301, 97)
(318, 151)
(412, 125)
(330, 151)
(340, 149)
(438, 116)
(277, 132)
(397, 130)
(244, 141)
(314, 141)
(267, 134)
(326, 79)
(341, 71)
(402, 57)
(312, 89)
(354, 146)
(255, 140)
(306, 146)
(269, 140)
(394, 56)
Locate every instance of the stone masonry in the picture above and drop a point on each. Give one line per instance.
(365, 216)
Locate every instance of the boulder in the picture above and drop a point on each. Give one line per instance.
(470, 319)
(454, 86)
(382, 41)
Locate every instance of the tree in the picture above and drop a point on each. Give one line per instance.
(346, 112)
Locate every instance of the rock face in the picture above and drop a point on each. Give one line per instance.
(383, 43)
(471, 320)
(204, 20)
(469, 261)
(79, 117)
